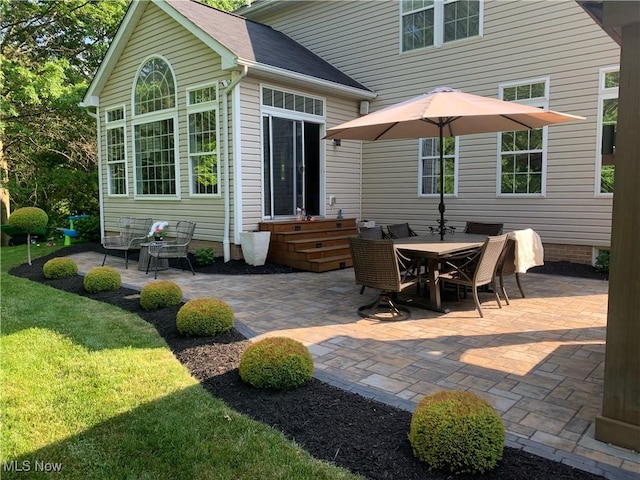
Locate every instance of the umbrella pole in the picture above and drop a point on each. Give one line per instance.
(441, 206)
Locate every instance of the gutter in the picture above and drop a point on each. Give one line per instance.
(226, 248)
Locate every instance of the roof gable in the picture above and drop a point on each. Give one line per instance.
(239, 42)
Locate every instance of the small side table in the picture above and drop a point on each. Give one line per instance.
(144, 258)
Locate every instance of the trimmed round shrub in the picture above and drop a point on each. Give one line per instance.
(160, 294)
(29, 219)
(60, 267)
(279, 363)
(102, 279)
(457, 431)
(203, 317)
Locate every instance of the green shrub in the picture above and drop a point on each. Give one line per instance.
(202, 317)
(205, 256)
(457, 431)
(102, 279)
(60, 267)
(279, 363)
(602, 262)
(29, 219)
(88, 228)
(160, 294)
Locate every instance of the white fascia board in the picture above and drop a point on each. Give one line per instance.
(326, 85)
(229, 60)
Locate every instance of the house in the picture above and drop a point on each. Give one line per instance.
(219, 117)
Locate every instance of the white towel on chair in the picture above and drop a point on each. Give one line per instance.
(529, 251)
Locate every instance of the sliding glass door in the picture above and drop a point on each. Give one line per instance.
(291, 166)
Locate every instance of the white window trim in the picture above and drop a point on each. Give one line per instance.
(108, 126)
(438, 27)
(150, 118)
(536, 102)
(292, 114)
(603, 94)
(455, 174)
(135, 81)
(204, 107)
(169, 113)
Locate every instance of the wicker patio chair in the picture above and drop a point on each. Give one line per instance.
(400, 230)
(478, 269)
(507, 266)
(177, 248)
(377, 264)
(133, 232)
(372, 233)
(484, 228)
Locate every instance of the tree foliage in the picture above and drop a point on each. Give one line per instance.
(49, 52)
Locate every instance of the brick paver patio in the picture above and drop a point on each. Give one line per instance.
(539, 361)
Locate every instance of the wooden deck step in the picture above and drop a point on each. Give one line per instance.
(318, 246)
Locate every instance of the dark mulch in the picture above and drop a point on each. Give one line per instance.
(365, 436)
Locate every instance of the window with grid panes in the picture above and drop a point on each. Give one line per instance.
(204, 168)
(426, 23)
(523, 153)
(154, 130)
(116, 152)
(429, 167)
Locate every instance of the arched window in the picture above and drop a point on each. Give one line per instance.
(155, 87)
(154, 131)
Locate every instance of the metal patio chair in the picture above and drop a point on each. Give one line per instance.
(377, 264)
(133, 232)
(177, 248)
(477, 270)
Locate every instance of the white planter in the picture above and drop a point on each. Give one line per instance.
(255, 246)
(369, 224)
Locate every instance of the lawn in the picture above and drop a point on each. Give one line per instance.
(95, 392)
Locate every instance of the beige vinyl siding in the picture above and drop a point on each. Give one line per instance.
(521, 41)
(193, 64)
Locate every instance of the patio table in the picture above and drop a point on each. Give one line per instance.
(433, 250)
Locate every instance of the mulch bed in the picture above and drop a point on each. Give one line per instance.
(362, 435)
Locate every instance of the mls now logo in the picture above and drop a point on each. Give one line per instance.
(28, 465)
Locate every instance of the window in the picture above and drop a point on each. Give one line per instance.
(204, 168)
(429, 167)
(607, 126)
(292, 101)
(116, 152)
(154, 130)
(433, 22)
(523, 154)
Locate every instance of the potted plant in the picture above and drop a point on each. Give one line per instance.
(158, 231)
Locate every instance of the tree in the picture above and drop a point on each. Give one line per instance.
(49, 52)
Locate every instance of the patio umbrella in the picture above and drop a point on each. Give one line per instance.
(445, 112)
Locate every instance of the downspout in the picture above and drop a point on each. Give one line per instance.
(100, 192)
(226, 248)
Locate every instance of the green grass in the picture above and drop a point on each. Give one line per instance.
(96, 390)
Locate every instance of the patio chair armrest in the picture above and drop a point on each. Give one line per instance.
(113, 241)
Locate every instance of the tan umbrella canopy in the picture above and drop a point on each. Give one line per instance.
(445, 112)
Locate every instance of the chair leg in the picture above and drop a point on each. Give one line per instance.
(503, 290)
(155, 277)
(148, 263)
(104, 259)
(190, 266)
(362, 290)
(495, 292)
(519, 285)
(477, 301)
(126, 259)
